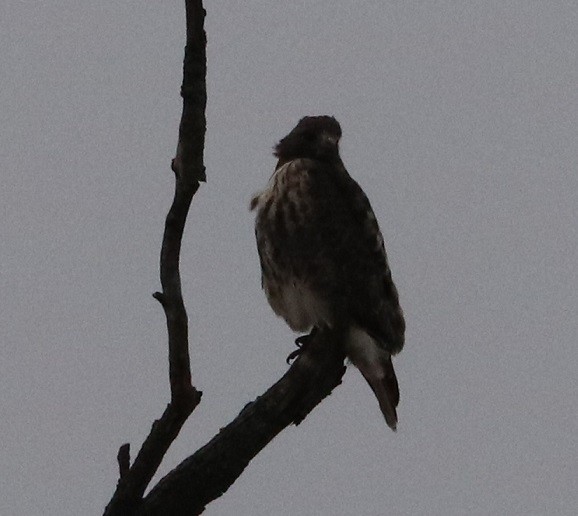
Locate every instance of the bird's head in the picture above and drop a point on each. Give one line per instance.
(314, 137)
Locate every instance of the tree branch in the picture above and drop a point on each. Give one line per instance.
(189, 170)
(208, 473)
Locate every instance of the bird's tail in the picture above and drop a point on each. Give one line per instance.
(375, 365)
(386, 390)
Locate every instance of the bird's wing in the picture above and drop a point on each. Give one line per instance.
(354, 243)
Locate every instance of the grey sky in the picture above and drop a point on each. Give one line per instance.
(459, 121)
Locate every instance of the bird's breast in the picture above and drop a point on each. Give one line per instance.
(282, 231)
(298, 304)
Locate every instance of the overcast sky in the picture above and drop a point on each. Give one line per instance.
(459, 121)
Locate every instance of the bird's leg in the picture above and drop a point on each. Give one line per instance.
(301, 343)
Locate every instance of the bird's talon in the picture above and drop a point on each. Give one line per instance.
(293, 355)
(301, 343)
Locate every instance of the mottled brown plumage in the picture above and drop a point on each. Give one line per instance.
(322, 255)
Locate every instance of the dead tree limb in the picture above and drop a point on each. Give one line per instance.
(209, 472)
(189, 171)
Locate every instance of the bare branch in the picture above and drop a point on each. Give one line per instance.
(189, 170)
(208, 473)
(123, 459)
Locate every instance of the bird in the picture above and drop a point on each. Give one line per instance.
(322, 255)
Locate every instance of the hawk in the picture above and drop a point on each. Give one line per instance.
(322, 255)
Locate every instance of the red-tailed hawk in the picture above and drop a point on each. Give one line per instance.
(322, 255)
